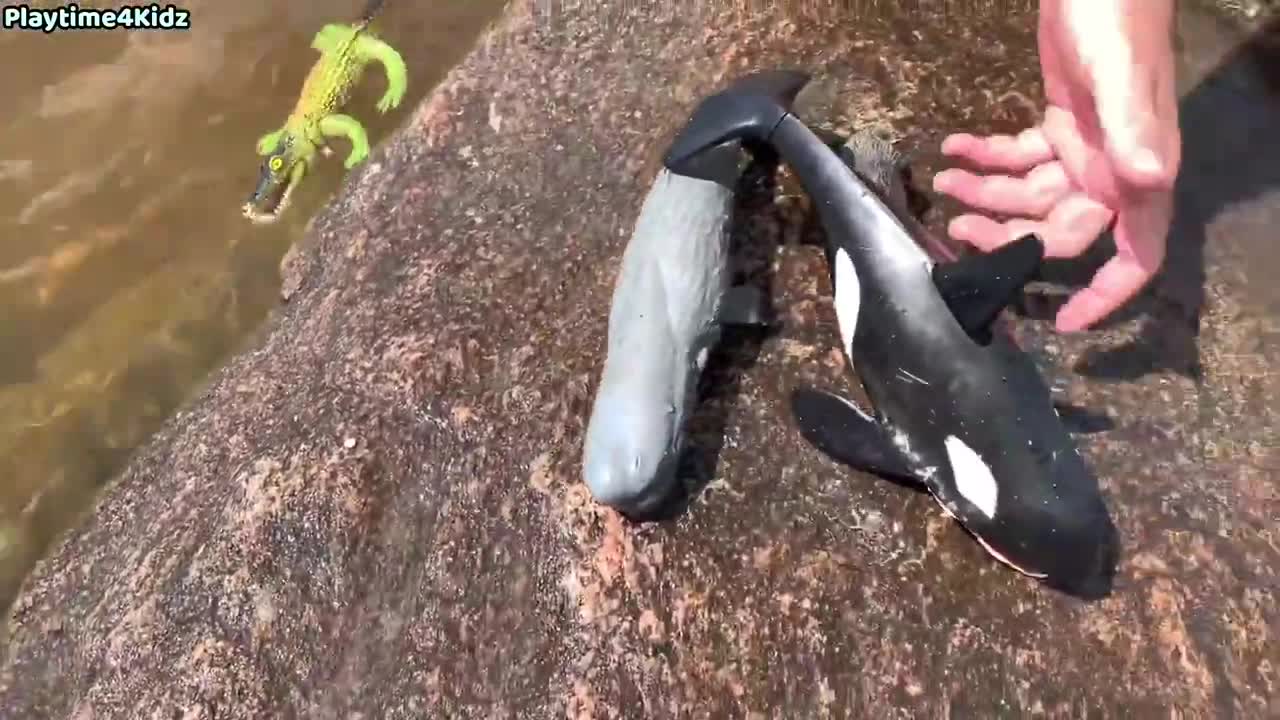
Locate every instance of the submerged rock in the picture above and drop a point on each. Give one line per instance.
(377, 511)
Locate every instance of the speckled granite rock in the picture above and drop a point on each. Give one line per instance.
(377, 513)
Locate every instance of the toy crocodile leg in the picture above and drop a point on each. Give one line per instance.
(267, 143)
(345, 126)
(371, 49)
(316, 137)
(331, 37)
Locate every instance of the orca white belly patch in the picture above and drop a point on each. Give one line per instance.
(848, 298)
(973, 478)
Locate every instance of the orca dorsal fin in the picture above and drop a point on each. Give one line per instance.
(977, 287)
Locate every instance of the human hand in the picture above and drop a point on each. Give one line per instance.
(1109, 148)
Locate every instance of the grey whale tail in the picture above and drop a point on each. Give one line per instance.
(748, 110)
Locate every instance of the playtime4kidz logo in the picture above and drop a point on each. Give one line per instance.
(74, 17)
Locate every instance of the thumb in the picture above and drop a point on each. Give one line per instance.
(1133, 133)
(1139, 125)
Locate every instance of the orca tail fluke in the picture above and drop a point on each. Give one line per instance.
(748, 110)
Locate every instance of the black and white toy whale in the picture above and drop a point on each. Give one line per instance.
(959, 410)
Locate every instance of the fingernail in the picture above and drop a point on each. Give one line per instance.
(942, 180)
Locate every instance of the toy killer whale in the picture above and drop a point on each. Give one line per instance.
(959, 410)
(670, 302)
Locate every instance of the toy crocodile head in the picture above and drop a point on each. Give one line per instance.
(280, 173)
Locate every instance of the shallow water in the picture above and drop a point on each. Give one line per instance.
(126, 271)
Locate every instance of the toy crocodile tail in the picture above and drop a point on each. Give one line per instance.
(371, 9)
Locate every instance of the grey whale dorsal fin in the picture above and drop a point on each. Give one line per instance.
(977, 287)
(745, 305)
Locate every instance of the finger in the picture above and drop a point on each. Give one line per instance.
(1115, 283)
(1170, 127)
(1133, 136)
(1126, 86)
(1033, 195)
(1143, 229)
(1068, 230)
(1012, 153)
(1087, 165)
(1075, 224)
(1140, 250)
(987, 235)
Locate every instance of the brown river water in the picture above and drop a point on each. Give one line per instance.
(126, 271)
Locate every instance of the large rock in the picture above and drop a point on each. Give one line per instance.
(377, 512)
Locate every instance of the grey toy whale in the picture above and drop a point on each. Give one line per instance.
(959, 410)
(671, 299)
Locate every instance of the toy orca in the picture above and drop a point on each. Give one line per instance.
(959, 410)
(669, 305)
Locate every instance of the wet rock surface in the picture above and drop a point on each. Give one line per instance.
(377, 511)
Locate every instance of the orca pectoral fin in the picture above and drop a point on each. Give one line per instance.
(745, 305)
(977, 287)
(843, 432)
(1082, 420)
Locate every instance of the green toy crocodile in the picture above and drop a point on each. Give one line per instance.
(345, 51)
